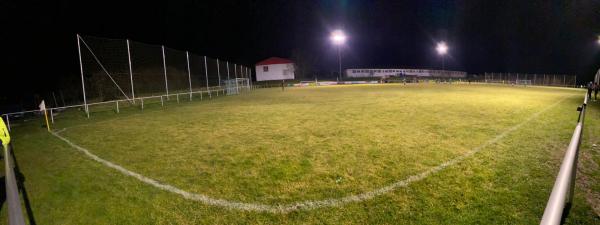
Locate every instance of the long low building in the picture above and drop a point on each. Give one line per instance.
(358, 73)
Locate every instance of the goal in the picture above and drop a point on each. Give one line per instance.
(236, 85)
(523, 82)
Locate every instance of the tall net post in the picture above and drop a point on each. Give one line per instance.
(206, 75)
(87, 112)
(187, 58)
(250, 76)
(219, 74)
(130, 72)
(165, 70)
(237, 86)
(228, 70)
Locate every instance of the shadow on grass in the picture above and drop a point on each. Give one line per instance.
(21, 186)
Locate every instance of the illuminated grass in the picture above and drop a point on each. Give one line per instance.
(276, 147)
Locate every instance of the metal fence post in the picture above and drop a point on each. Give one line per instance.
(249, 71)
(206, 75)
(165, 71)
(162, 103)
(219, 73)
(228, 70)
(82, 79)
(237, 87)
(130, 72)
(187, 56)
(117, 106)
(51, 116)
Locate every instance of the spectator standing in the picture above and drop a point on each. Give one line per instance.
(590, 86)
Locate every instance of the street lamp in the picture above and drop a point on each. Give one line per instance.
(338, 38)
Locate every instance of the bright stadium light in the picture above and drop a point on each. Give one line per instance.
(338, 38)
(599, 39)
(441, 48)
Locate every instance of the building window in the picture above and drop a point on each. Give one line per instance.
(265, 68)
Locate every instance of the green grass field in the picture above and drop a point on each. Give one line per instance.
(276, 149)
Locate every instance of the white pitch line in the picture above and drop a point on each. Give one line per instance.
(303, 205)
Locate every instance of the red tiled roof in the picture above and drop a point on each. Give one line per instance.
(274, 60)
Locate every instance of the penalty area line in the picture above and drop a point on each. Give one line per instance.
(301, 205)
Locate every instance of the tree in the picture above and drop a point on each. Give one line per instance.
(304, 63)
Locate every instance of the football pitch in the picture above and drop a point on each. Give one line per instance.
(359, 154)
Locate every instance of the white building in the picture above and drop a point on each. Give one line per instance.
(357, 73)
(275, 68)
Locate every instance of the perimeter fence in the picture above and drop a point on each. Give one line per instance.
(557, 80)
(120, 73)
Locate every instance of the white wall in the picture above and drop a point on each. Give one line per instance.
(275, 72)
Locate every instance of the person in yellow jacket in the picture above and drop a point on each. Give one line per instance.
(4, 135)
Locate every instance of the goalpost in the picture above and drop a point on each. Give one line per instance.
(236, 85)
(523, 82)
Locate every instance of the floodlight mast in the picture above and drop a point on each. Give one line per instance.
(442, 50)
(338, 38)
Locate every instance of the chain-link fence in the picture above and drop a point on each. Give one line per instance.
(117, 70)
(559, 80)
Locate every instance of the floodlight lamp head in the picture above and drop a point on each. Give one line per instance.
(441, 48)
(338, 37)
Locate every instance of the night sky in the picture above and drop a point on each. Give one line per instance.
(533, 36)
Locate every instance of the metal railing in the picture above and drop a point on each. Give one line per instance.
(216, 90)
(561, 197)
(15, 213)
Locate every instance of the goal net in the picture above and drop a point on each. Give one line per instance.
(523, 82)
(236, 85)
